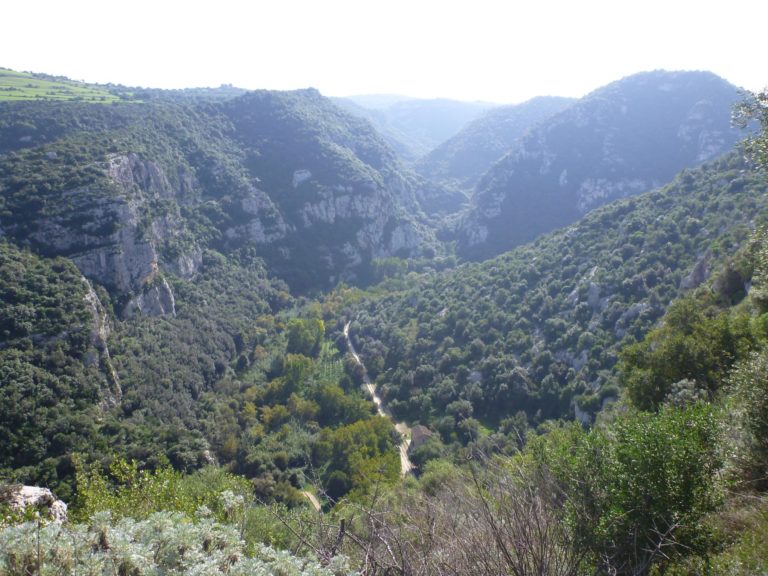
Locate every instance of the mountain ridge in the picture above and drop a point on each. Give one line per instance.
(465, 157)
(624, 138)
(172, 177)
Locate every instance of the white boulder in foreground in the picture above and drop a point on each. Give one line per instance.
(19, 498)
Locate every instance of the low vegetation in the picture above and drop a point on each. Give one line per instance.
(16, 86)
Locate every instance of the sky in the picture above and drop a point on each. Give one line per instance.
(502, 51)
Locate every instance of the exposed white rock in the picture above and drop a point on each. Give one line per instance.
(352, 254)
(597, 191)
(581, 416)
(333, 205)
(403, 237)
(266, 226)
(19, 498)
(301, 176)
(208, 458)
(476, 377)
(158, 300)
(631, 313)
(113, 242)
(593, 296)
(578, 362)
(711, 144)
(699, 274)
(100, 331)
(187, 264)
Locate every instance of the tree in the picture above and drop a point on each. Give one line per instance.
(750, 390)
(754, 108)
(305, 336)
(690, 345)
(636, 491)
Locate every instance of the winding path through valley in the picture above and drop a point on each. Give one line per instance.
(406, 466)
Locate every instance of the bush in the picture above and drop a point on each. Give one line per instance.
(164, 543)
(637, 491)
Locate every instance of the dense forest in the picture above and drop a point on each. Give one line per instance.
(177, 270)
(541, 327)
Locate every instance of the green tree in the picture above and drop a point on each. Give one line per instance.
(754, 108)
(305, 336)
(750, 390)
(364, 452)
(690, 345)
(637, 490)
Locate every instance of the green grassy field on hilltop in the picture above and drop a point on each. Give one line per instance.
(16, 86)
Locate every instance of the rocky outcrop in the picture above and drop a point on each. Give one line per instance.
(186, 265)
(326, 194)
(112, 228)
(699, 274)
(19, 498)
(154, 300)
(288, 176)
(263, 222)
(99, 353)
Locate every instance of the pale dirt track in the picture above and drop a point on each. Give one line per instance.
(313, 499)
(406, 466)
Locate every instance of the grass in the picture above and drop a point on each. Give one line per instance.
(330, 367)
(17, 86)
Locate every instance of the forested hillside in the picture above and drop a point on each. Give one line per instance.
(539, 329)
(623, 139)
(175, 217)
(136, 183)
(54, 376)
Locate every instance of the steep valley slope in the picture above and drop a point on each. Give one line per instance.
(623, 139)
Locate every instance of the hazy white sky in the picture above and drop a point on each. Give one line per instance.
(496, 50)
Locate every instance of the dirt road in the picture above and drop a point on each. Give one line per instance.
(406, 466)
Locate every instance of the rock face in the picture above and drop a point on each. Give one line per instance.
(699, 274)
(109, 227)
(328, 194)
(315, 191)
(19, 498)
(621, 140)
(99, 355)
(155, 300)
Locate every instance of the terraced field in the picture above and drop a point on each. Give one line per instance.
(24, 86)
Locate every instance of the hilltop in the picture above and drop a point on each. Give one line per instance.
(623, 139)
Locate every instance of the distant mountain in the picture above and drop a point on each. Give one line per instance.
(414, 127)
(464, 158)
(377, 101)
(628, 137)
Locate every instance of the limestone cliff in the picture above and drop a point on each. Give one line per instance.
(315, 191)
(111, 228)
